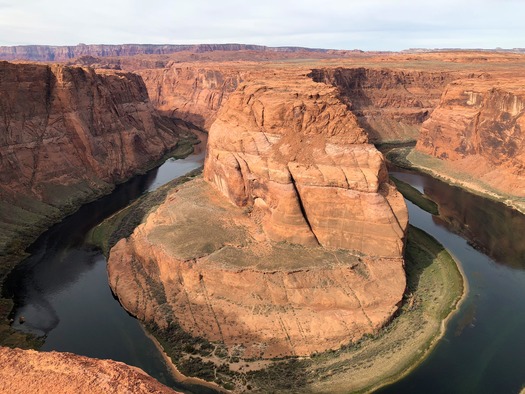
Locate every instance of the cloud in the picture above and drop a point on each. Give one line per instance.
(374, 24)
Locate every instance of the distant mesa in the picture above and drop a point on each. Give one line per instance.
(48, 53)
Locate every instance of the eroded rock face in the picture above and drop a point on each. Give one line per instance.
(300, 252)
(293, 153)
(28, 371)
(389, 104)
(478, 130)
(69, 133)
(192, 93)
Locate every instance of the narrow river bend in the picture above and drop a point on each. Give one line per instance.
(483, 348)
(62, 290)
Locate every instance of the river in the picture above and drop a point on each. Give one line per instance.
(63, 293)
(62, 289)
(483, 348)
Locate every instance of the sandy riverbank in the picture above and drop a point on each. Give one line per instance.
(188, 382)
(442, 171)
(436, 287)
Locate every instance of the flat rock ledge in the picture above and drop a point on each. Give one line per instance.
(29, 371)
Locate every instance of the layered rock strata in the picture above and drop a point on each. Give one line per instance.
(200, 263)
(192, 93)
(389, 104)
(295, 155)
(65, 53)
(477, 130)
(27, 371)
(66, 135)
(309, 255)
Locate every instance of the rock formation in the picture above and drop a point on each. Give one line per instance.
(66, 135)
(389, 104)
(202, 263)
(296, 156)
(309, 255)
(477, 130)
(27, 371)
(192, 93)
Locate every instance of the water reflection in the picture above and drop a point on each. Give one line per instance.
(489, 226)
(482, 350)
(62, 290)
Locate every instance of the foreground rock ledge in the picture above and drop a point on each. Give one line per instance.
(203, 263)
(28, 371)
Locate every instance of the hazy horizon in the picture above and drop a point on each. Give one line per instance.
(377, 25)
(279, 46)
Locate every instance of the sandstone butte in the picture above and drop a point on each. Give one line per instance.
(28, 371)
(302, 250)
(67, 135)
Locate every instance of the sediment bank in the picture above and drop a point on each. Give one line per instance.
(411, 159)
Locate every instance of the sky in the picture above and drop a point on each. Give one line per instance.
(335, 24)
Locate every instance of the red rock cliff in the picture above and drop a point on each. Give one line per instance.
(68, 133)
(27, 371)
(390, 105)
(293, 152)
(478, 129)
(192, 93)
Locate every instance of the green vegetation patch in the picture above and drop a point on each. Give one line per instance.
(398, 156)
(432, 274)
(415, 196)
(184, 148)
(121, 224)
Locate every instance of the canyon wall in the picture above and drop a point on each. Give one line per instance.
(68, 134)
(27, 371)
(193, 93)
(389, 104)
(477, 130)
(65, 53)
